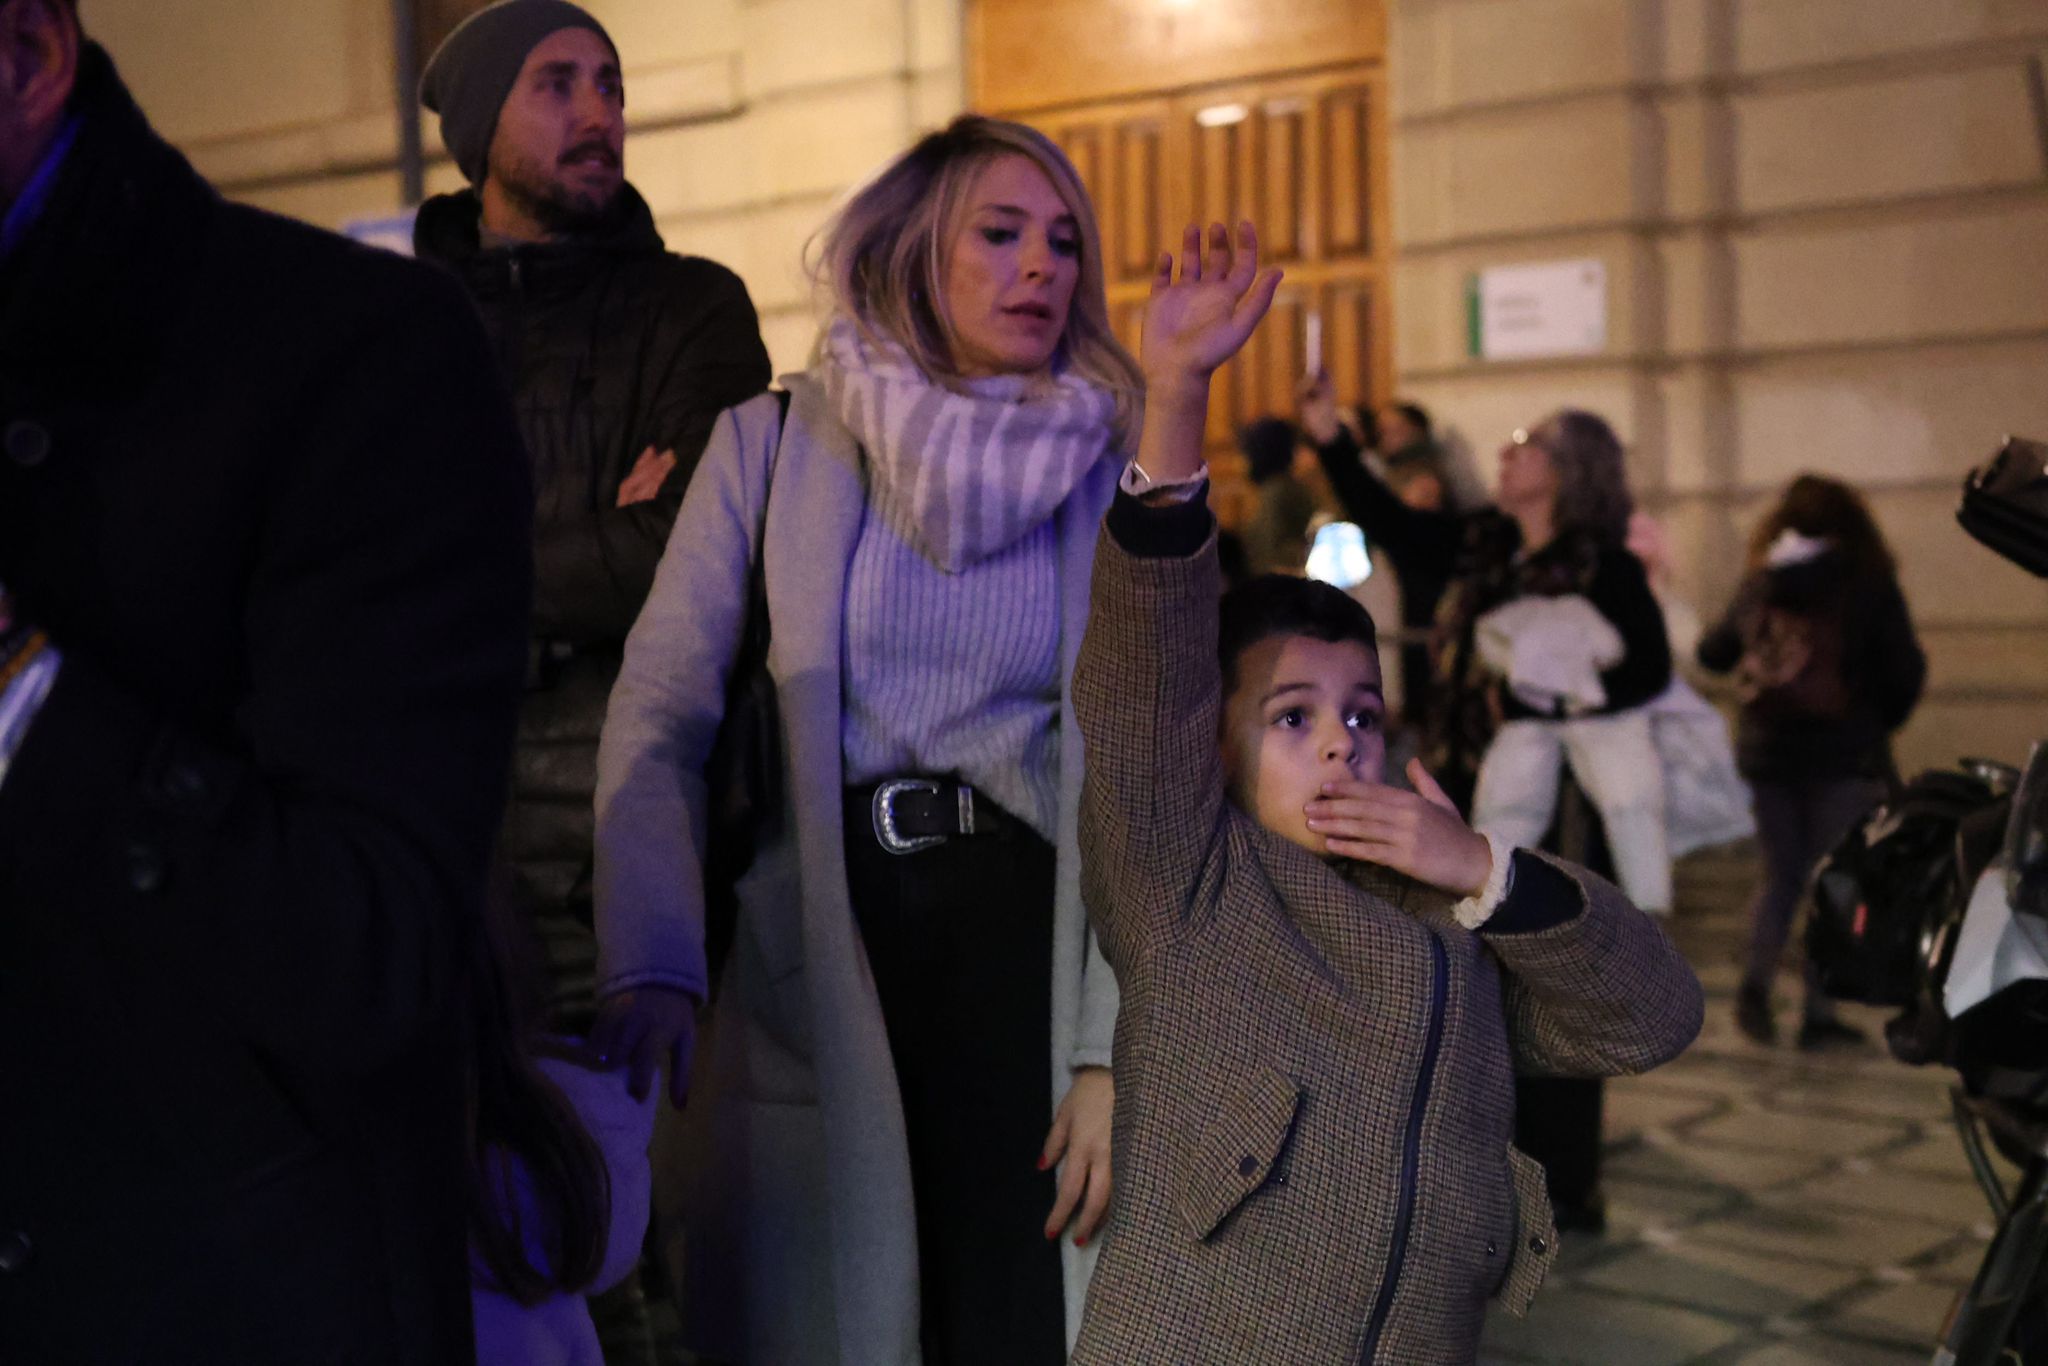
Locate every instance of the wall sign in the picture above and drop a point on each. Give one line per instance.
(392, 231)
(1553, 308)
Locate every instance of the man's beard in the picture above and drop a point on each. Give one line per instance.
(553, 205)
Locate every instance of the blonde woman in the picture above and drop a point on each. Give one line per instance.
(896, 1147)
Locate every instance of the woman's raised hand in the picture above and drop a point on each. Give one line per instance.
(1200, 320)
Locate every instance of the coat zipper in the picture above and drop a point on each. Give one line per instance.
(1411, 1152)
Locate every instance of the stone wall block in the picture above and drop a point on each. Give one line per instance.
(820, 142)
(764, 245)
(1949, 579)
(697, 87)
(789, 334)
(657, 33)
(1774, 35)
(695, 169)
(791, 44)
(1924, 134)
(1945, 730)
(1888, 417)
(1944, 272)
(1543, 169)
(293, 63)
(1455, 53)
(331, 201)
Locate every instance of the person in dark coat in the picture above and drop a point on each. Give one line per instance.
(619, 355)
(1560, 529)
(1829, 667)
(1403, 515)
(1276, 539)
(262, 504)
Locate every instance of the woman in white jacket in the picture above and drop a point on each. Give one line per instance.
(902, 1097)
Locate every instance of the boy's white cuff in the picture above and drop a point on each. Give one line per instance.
(1477, 909)
(1141, 485)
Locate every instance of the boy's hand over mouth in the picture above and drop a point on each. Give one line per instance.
(1418, 833)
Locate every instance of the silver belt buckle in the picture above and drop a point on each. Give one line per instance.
(885, 815)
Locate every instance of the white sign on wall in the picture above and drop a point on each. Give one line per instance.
(393, 231)
(1552, 308)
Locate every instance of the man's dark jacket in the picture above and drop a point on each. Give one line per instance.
(264, 489)
(610, 345)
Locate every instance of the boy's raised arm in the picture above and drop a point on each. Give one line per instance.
(1147, 688)
(1147, 692)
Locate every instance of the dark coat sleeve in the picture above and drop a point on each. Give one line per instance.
(1892, 668)
(314, 873)
(1419, 542)
(1148, 696)
(1597, 989)
(595, 571)
(1621, 592)
(1720, 649)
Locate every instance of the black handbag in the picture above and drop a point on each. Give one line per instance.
(2005, 504)
(743, 778)
(1892, 878)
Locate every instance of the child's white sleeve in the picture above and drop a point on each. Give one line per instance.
(1477, 909)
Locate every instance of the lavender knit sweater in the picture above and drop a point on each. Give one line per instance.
(956, 673)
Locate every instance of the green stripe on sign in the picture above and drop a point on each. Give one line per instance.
(1472, 337)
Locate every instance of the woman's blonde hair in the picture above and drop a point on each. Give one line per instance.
(883, 256)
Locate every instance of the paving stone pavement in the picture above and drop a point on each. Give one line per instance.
(1765, 1207)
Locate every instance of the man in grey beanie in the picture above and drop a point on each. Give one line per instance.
(619, 355)
(562, 160)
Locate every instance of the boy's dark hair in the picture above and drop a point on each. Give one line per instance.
(1281, 605)
(1268, 446)
(1417, 415)
(1368, 419)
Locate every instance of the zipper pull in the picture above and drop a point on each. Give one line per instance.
(514, 266)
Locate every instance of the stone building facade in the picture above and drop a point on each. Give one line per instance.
(1825, 228)
(1824, 224)
(746, 117)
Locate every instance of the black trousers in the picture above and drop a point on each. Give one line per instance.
(1558, 1119)
(1797, 824)
(959, 938)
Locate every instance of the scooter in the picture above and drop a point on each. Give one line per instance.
(1937, 904)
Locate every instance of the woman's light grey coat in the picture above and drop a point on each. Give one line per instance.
(789, 1196)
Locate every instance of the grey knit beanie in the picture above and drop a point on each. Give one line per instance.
(468, 79)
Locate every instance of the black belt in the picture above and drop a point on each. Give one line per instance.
(909, 814)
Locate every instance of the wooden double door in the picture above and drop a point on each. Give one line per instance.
(1302, 158)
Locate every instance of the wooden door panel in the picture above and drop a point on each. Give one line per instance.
(1282, 209)
(1222, 166)
(1351, 338)
(1031, 55)
(1276, 358)
(1300, 157)
(1345, 120)
(1141, 192)
(1082, 142)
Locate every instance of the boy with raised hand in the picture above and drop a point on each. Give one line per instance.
(1327, 983)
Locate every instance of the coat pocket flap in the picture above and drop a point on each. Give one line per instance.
(1238, 1150)
(1535, 1235)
